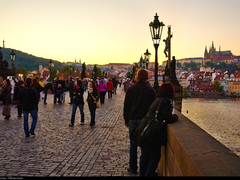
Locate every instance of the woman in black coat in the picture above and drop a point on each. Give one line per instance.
(92, 99)
(77, 102)
(151, 153)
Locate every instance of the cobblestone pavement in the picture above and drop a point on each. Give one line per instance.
(60, 150)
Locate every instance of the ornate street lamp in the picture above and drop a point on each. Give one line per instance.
(141, 62)
(144, 62)
(156, 28)
(13, 57)
(147, 57)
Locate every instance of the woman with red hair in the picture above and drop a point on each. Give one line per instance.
(151, 153)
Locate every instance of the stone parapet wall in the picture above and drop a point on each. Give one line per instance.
(191, 151)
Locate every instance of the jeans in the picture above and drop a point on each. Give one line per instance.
(34, 121)
(133, 147)
(92, 108)
(115, 90)
(74, 108)
(149, 159)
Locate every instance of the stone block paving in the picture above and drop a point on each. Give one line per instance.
(59, 150)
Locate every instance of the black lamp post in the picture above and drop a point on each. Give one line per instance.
(141, 62)
(144, 62)
(147, 57)
(50, 67)
(13, 57)
(156, 28)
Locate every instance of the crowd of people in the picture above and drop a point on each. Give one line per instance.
(140, 101)
(27, 95)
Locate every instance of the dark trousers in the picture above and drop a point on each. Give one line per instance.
(19, 107)
(149, 159)
(57, 96)
(71, 95)
(45, 92)
(109, 94)
(102, 96)
(92, 108)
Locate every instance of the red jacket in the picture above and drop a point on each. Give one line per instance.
(109, 86)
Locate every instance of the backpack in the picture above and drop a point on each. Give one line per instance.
(151, 131)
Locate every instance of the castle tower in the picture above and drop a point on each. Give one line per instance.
(212, 50)
(205, 53)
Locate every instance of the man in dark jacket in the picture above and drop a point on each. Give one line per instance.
(138, 99)
(51, 86)
(29, 99)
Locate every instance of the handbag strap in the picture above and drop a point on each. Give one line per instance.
(159, 104)
(93, 97)
(158, 107)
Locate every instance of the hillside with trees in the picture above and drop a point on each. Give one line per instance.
(28, 61)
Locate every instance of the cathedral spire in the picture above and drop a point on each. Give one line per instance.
(212, 45)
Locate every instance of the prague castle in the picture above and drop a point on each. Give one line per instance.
(218, 56)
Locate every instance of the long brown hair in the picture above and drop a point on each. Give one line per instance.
(166, 90)
(94, 85)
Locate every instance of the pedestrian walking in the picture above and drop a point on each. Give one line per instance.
(70, 88)
(29, 98)
(51, 86)
(77, 102)
(92, 99)
(115, 84)
(137, 100)
(16, 93)
(102, 88)
(85, 84)
(38, 88)
(6, 95)
(150, 151)
(110, 88)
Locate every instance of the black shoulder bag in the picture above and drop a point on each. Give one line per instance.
(151, 131)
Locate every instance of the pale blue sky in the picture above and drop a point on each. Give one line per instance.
(102, 31)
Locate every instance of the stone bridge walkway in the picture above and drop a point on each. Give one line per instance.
(60, 150)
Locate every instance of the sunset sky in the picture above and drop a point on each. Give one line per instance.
(103, 31)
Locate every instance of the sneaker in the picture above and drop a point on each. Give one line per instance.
(82, 123)
(70, 125)
(32, 133)
(27, 136)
